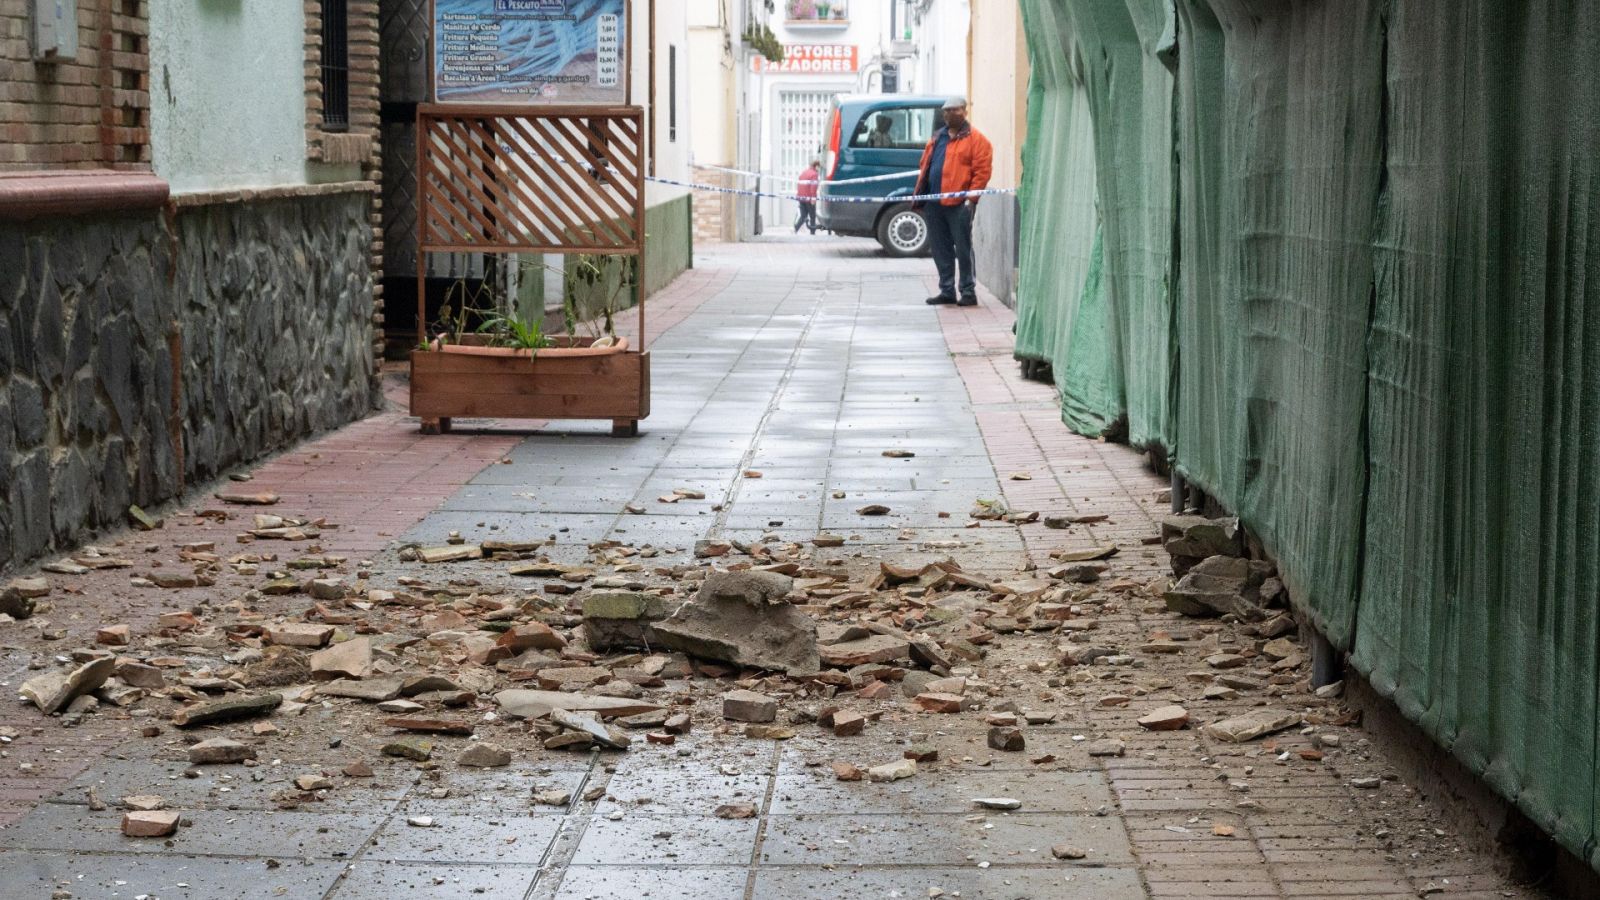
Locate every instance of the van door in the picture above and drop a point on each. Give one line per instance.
(891, 139)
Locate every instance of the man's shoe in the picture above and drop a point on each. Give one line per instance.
(940, 300)
(968, 300)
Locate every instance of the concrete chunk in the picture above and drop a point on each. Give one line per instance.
(874, 649)
(53, 691)
(1165, 718)
(485, 756)
(894, 771)
(351, 659)
(743, 618)
(218, 751)
(749, 706)
(153, 823)
(528, 704)
(296, 634)
(226, 710)
(1251, 725)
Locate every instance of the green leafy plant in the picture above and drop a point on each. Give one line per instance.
(762, 40)
(514, 331)
(594, 282)
(463, 305)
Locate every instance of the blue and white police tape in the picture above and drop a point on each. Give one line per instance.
(919, 198)
(788, 180)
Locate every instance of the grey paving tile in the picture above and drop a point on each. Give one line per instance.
(972, 883)
(217, 787)
(685, 883)
(318, 835)
(462, 835)
(374, 880)
(674, 789)
(170, 876)
(679, 840)
(817, 792)
(939, 840)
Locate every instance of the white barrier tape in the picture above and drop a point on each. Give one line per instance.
(919, 198)
(786, 179)
(593, 171)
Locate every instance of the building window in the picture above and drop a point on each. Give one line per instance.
(672, 92)
(335, 65)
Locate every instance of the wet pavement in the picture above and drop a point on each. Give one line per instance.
(803, 361)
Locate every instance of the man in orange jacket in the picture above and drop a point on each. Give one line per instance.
(956, 159)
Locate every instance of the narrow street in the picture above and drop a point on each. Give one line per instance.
(783, 372)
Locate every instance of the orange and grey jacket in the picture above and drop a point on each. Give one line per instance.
(968, 162)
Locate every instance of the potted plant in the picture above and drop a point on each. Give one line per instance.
(484, 361)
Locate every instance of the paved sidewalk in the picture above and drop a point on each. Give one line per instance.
(803, 361)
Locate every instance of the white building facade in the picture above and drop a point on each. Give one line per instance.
(834, 47)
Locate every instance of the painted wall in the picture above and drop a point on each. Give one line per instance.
(670, 248)
(712, 113)
(672, 145)
(940, 66)
(227, 93)
(999, 95)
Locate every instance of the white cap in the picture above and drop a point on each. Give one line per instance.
(956, 103)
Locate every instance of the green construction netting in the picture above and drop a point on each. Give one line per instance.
(1482, 570)
(1277, 247)
(1130, 101)
(1097, 215)
(1355, 314)
(1060, 308)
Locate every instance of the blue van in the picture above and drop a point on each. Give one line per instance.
(881, 137)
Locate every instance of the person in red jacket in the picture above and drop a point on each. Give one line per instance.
(956, 159)
(807, 195)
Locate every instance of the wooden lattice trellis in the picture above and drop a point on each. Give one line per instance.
(514, 179)
(511, 179)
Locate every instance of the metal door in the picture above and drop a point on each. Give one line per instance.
(802, 125)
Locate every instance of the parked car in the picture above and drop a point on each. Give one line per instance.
(873, 135)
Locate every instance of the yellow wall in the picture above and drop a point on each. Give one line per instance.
(998, 75)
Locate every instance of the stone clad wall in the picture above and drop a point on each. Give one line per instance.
(276, 301)
(85, 377)
(266, 303)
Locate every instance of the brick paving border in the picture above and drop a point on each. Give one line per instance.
(1307, 836)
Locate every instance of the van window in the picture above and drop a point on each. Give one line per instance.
(907, 128)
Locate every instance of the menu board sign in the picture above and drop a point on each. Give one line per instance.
(533, 52)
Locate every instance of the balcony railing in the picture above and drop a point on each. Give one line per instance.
(817, 13)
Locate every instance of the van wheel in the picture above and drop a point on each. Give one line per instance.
(903, 231)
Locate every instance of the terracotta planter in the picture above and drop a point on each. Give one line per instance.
(571, 380)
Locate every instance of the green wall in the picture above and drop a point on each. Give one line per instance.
(668, 242)
(1341, 262)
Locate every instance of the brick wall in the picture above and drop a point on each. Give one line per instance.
(361, 142)
(713, 212)
(92, 111)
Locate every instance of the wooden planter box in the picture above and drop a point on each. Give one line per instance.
(569, 381)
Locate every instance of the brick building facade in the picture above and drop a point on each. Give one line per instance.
(188, 249)
(88, 111)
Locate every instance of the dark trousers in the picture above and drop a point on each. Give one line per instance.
(808, 216)
(950, 239)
